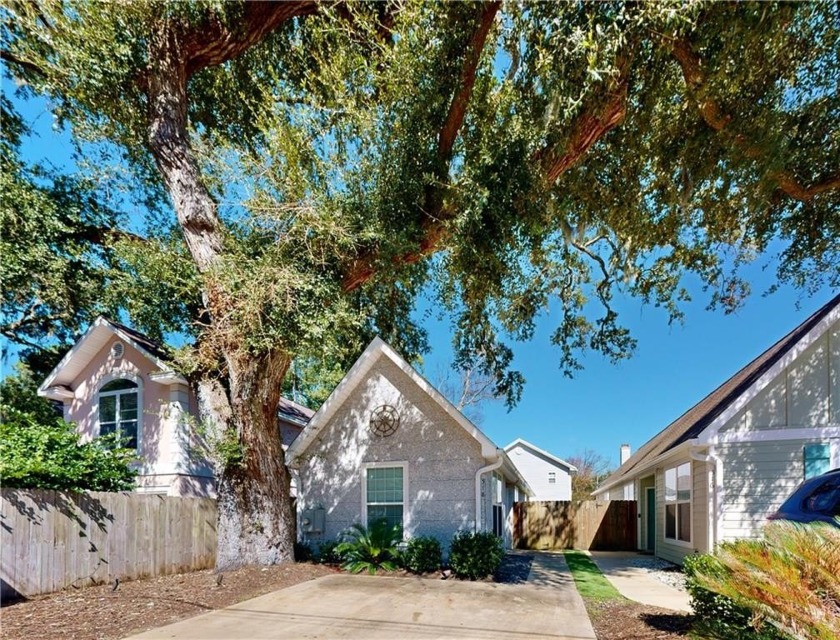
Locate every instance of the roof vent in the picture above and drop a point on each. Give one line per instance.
(117, 350)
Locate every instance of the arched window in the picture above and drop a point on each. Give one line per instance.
(118, 410)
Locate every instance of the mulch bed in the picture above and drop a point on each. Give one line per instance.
(625, 620)
(102, 613)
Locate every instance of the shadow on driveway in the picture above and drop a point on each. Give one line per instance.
(370, 607)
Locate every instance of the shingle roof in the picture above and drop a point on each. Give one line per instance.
(155, 348)
(690, 424)
(294, 412)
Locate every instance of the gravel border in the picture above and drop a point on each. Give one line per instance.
(664, 571)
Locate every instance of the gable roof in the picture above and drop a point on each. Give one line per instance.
(97, 335)
(535, 449)
(694, 421)
(57, 383)
(375, 351)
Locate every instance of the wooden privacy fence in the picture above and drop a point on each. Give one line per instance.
(597, 525)
(52, 540)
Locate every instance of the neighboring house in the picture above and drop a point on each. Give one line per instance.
(115, 379)
(386, 444)
(549, 476)
(720, 469)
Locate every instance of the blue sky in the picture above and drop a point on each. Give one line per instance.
(672, 369)
(605, 405)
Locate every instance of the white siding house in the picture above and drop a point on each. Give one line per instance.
(386, 444)
(549, 476)
(721, 468)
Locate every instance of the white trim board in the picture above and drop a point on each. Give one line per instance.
(535, 449)
(771, 435)
(99, 323)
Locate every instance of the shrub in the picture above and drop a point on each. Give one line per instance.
(717, 616)
(788, 578)
(475, 555)
(327, 553)
(370, 549)
(423, 554)
(52, 456)
(303, 552)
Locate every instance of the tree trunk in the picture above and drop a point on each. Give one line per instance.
(255, 523)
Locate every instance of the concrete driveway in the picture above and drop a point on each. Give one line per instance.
(346, 606)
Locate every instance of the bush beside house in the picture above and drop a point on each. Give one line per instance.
(423, 555)
(717, 616)
(472, 556)
(783, 585)
(35, 455)
(475, 555)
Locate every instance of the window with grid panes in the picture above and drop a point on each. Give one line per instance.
(385, 498)
(118, 411)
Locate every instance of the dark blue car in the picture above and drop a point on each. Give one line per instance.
(815, 500)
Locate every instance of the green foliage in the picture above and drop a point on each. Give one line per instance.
(54, 253)
(320, 145)
(423, 554)
(327, 552)
(717, 616)
(19, 391)
(34, 455)
(475, 555)
(370, 549)
(590, 582)
(787, 579)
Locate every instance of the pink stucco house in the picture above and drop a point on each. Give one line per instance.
(116, 379)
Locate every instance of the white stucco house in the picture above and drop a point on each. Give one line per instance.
(549, 476)
(387, 444)
(116, 379)
(721, 468)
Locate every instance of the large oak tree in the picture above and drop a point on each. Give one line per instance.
(325, 159)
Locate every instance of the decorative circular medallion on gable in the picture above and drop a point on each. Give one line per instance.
(117, 350)
(384, 420)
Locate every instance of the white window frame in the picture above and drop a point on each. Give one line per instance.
(677, 502)
(403, 464)
(122, 375)
(498, 503)
(552, 477)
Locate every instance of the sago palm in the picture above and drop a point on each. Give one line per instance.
(790, 578)
(370, 548)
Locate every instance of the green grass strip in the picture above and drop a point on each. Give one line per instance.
(591, 583)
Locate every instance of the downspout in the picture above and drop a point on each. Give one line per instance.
(490, 467)
(715, 487)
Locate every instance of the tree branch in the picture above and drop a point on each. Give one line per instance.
(460, 101)
(601, 116)
(714, 117)
(10, 58)
(591, 125)
(22, 341)
(215, 43)
(434, 214)
(104, 236)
